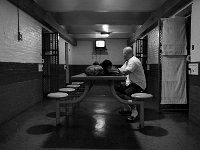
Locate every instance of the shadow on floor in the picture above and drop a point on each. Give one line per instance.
(41, 129)
(53, 114)
(154, 131)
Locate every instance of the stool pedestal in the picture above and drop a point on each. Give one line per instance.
(70, 91)
(58, 96)
(71, 96)
(138, 98)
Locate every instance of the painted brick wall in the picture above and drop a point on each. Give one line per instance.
(194, 101)
(152, 60)
(28, 50)
(21, 83)
(82, 54)
(153, 45)
(194, 85)
(195, 31)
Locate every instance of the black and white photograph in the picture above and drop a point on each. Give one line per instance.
(99, 75)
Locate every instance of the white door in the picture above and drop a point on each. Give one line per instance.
(66, 62)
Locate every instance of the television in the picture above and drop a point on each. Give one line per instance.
(100, 44)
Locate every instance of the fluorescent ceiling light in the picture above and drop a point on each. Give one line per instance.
(105, 35)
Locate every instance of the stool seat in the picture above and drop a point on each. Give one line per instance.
(73, 85)
(57, 95)
(141, 95)
(66, 89)
(79, 83)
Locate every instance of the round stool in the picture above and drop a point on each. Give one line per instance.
(81, 88)
(67, 89)
(79, 83)
(71, 95)
(73, 86)
(141, 96)
(57, 96)
(138, 98)
(70, 91)
(77, 87)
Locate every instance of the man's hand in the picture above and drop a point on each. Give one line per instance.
(124, 71)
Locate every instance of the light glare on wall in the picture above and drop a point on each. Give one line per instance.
(105, 27)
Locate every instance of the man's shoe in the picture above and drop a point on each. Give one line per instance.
(132, 119)
(125, 112)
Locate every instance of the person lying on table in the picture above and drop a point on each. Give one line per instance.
(109, 69)
(135, 81)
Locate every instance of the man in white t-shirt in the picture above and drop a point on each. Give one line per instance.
(135, 82)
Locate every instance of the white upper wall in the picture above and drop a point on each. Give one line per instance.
(153, 46)
(61, 51)
(82, 54)
(195, 31)
(29, 50)
(70, 50)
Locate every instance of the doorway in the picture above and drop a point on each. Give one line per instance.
(67, 61)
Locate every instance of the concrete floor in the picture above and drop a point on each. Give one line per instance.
(96, 124)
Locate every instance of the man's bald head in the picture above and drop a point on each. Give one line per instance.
(127, 53)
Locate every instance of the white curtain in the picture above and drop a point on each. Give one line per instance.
(174, 80)
(174, 36)
(174, 62)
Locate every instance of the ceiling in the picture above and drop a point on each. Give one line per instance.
(85, 19)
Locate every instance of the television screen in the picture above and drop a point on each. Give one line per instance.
(100, 44)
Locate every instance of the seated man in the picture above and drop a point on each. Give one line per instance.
(135, 81)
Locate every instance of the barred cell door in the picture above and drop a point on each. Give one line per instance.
(141, 52)
(50, 55)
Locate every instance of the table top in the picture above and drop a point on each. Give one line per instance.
(84, 77)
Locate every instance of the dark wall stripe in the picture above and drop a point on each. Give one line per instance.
(194, 97)
(174, 107)
(194, 79)
(152, 83)
(18, 97)
(18, 72)
(62, 76)
(20, 88)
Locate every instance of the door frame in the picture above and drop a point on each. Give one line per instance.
(67, 61)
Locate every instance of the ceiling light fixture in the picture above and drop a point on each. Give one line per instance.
(105, 34)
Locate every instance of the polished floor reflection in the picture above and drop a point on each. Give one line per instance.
(96, 124)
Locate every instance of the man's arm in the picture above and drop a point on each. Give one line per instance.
(129, 68)
(122, 69)
(125, 71)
